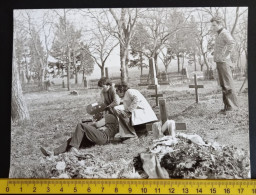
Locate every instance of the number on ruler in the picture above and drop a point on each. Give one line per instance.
(48, 189)
(157, 190)
(254, 191)
(227, 190)
(34, 189)
(144, 190)
(213, 190)
(21, 189)
(240, 190)
(185, 190)
(171, 190)
(116, 190)
(102, 189)
(199, 190)
(130, 190)
(61, 189)
(88, 189)
(75, 189)
(7, 189)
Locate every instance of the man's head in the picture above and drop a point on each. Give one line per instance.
(105, 83)
(217, 23)
(121, 88)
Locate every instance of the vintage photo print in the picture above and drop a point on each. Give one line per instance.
(130, 93)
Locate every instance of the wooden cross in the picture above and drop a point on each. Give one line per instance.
(164, 117)
(196, 86)
(156, 95)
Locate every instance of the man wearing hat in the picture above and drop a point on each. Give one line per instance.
(86, 135)
(224, 43)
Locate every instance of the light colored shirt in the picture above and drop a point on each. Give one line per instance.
(224, 44)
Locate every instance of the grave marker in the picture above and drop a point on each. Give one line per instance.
(196, 87)
(153, 78)
(156, 95)
(164, 117)
(85, 82)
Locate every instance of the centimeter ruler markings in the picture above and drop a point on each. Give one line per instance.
(126, 186)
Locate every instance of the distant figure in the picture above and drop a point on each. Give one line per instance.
(224, 43)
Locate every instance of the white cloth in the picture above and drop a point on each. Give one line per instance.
(170, 126)
(137, 104)
(159, 129)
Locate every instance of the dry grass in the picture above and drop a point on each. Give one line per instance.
(54, 115)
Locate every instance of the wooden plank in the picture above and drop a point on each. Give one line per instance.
(158, 95)
(143, 84)
(198, 86)
(163, 110)
(179, 126)
(164, 82)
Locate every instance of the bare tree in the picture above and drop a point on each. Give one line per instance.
(102, 45)
(34, 28)
(65, 44)
(165, 27)
(120, 23)
(204, 38)
(166, 58)
(19, 110)
(139, 43)
(125, 22)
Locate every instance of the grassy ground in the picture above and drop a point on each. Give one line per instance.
(54, 115)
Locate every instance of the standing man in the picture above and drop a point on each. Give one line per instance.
(224, 43)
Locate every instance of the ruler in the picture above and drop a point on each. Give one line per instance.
(126, 186)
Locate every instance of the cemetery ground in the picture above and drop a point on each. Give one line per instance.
(54, 115)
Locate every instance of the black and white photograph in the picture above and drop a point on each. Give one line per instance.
(130, 93)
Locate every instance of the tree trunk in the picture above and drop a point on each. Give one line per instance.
(123, 67)
(126, 63)
(19, 110)
(41, 80)
(178, 60)
(202, 67)
(156, 64)
(207, 65)
(166, 69)
(24, 78)
(68, 69)
(102, 71)
(183, 59)
(75, 68)
(28, 76)
(238, 60)
(141, 64)
(195, 61)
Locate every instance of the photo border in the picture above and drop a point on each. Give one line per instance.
(6, 32)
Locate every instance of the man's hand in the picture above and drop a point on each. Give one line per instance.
(123, 113)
